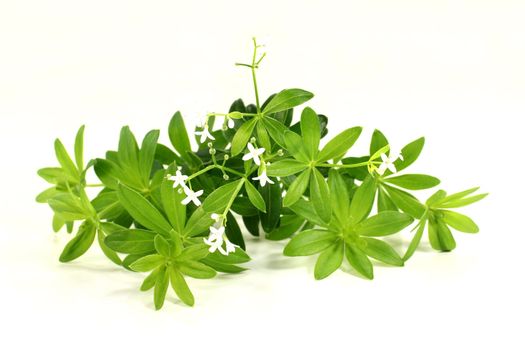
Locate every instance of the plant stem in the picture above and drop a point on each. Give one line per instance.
(232, 198)
(253, 68)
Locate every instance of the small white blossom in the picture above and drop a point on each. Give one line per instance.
(192, 196)
(216, 239)
(230, 247)
(263, 179)
(216, 217)
(231, 123)
(204, 134)
(178, 179)
(388, 163)
(253, 153)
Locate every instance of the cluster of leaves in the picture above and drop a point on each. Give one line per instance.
(327, 202)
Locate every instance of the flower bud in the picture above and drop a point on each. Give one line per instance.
(213, 151)
(252, 140)
(280, 153)
(225, 177)
(226, 157)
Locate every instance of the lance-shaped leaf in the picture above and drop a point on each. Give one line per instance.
(161, 287)
(285, 167)
(339, 145)
(320, 195)
(79, 148)
(340, 200)
(329, 260)
(414, 181)
(179, 136)
(147, 155)
(406, 202)
(179, 285)
(255, 197)
(219, 199)
(276, 130)
(297, 188)
(80, 244)
(310, 242)
(311, 132)
(273, 198)
(287, 99)
(148, 263)
(65, 160)
(383, 224)
(171, 202)
(377, 142)
(131, 241)
(143, 211)
(363, 200)
(242, 136)
(410, 154)
(294, 145)
(459, 222)
(381, 251)
(359, 261)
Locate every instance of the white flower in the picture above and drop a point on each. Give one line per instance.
(215, 240)
(231, 123)
(204, 134)
(388, 163)
(254, 154)
(192, 196)
(263, 179)
(216, 217)
(178, 179)
(230, 247)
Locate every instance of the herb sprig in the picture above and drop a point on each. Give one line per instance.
(175, 212)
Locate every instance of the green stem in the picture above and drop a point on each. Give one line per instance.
(253, 68)
(343, 166)
(232, 198)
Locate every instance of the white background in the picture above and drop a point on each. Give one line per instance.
(450, 70)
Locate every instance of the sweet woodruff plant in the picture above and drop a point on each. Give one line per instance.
(174, 212)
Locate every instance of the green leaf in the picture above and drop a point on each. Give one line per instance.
(459, 222)
(147, 155)
(320, 195)
(128, 152)
(414, 181)
(285, 167)
(289, 225)
(294, 145)
(161, 287)
(199, 222)
(131, 241)
(311, 132)
(276, 130)
(143, 211)
(384, 202)
(287, 99)
(329, 260)
(339, 145)
(310, 242)
(56, 176)
(340, 200)
(181, 287)
(108, 252)
(363, 200)
(297, 188)
(383, 252)
(242, 136)
(178, 135)
(162, 246)
(415, 240)
(456, 196)
(440, 236)
(255, 197)
(437, 197)
(306, 210)
(171, 202)
(47, 194)
(458, 203)
(196, 269)
(378, 142)
(384, 224)
(148, 263)
(359, 261)
(79, 149)
(150, 281)
(273, 198)
(218, 200)
(80, 244)
(194, 252)
(263, 138)
(406, 202)
(410, 154)
(233, 231)
(65, 161)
